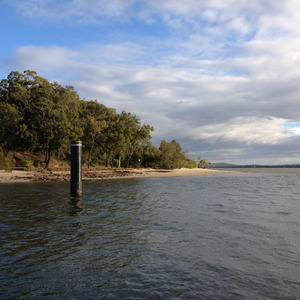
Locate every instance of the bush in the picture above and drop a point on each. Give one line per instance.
(27, 163)
(6, 161)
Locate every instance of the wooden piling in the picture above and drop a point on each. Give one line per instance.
(76, 169)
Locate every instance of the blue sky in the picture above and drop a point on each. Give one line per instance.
(220, 77)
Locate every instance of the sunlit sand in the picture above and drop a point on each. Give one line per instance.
(38, 176)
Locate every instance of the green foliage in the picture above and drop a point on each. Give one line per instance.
(40, 116)
(9, 125)
(204, 164)
(172, 156)
(27, 163)
(147, 156)
(6, 161)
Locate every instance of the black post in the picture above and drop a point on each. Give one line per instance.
(76, 169)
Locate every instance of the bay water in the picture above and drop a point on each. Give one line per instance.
(221, 236)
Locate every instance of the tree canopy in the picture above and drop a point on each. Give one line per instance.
(42, 117)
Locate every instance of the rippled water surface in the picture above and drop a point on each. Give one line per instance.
(225, 236)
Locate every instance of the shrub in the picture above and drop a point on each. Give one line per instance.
(6, 161)
(27, 163)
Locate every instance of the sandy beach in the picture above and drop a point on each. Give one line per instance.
(16, 176)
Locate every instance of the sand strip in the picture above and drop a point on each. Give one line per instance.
(45, 176)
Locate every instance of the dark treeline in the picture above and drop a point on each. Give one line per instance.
(42, 118)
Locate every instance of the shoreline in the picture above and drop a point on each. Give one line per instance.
(101, 174)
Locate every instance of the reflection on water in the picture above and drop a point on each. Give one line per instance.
(212, 237)
(76, 206)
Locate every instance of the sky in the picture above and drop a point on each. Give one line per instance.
(222, 77)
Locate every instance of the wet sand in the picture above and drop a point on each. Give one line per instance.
(98, 174)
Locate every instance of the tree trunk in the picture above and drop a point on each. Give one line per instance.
(128, 160)
(106, 160)
(112, 160)
(90, 153)
(47, 158)
(89, 158)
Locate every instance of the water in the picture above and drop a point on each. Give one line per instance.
(225, 236)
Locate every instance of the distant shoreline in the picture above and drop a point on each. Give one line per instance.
(100, 174)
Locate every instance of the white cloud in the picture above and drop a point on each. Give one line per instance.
(214, 11)
(43, 58)
(83, 11)
(247, 130)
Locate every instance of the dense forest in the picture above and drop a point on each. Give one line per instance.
(42, 118)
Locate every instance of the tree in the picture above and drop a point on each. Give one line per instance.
(63, 121)
(95, 119)
(124, 135)
(171, 155)
(149, 156)
(15, 91)
(133, 135)
(10, 119)
(45, 114)
(204, 164)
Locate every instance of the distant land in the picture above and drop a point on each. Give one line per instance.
(226, 165)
